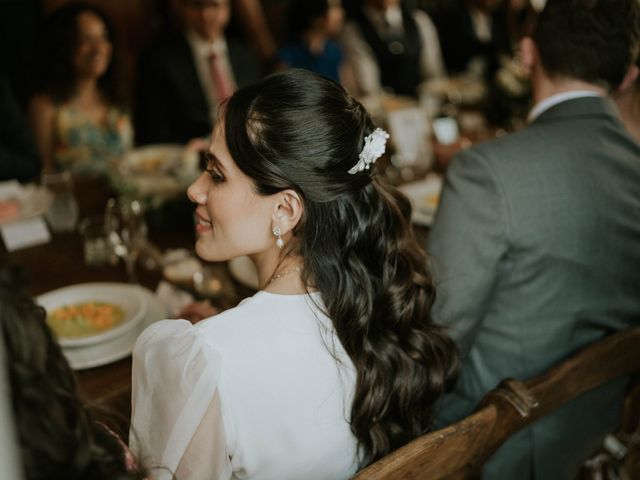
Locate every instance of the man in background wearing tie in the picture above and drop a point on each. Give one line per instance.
(184, 77)
(535, 245)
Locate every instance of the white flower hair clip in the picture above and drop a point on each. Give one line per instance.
(374, 146)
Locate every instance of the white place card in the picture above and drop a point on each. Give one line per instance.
(410, 132)
(25, 233)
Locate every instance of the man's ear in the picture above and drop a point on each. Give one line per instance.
(528, 54)
(629, 79)
(288, 210)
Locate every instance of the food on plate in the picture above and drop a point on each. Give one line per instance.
(431, 200)
(84, 318)
(9, 209)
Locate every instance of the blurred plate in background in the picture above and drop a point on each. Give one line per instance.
(155, 172)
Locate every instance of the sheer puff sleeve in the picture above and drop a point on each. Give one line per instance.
(176, 420)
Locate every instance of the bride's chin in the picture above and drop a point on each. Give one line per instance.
(205, 252)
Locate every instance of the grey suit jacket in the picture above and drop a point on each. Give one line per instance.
(536, 252)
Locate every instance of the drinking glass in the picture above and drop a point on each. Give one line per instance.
(126, 231)
(62, 214)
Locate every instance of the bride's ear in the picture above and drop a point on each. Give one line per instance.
(288, 210)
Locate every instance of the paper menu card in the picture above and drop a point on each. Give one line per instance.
(410, 131)
(21, 233)
(25, 233)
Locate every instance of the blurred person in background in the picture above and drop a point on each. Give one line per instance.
(78, 116)
(252, 18)
(473, 34)
(314, 25)
(183, 77)
(479, 45)
(392, 48)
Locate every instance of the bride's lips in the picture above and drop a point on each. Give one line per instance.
(202, 224)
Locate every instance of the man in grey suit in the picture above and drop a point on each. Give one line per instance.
(536, 244)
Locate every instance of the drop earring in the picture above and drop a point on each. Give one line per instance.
(278, 233)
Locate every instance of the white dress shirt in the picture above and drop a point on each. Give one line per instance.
(202, 50)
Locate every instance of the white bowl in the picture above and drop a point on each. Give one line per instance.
(130, 299)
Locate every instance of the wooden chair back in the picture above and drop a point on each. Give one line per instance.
(459, 450)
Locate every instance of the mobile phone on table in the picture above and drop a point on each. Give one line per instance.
(446, 130)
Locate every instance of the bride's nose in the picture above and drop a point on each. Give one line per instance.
(197, 191)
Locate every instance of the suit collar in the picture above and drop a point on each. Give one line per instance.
(578, 107)
(544, 105)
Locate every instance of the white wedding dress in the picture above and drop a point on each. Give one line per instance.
(260, 391)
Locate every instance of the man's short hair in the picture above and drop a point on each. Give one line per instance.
(590, 40)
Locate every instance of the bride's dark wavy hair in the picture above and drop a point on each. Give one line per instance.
(297, 130)
(57, 435)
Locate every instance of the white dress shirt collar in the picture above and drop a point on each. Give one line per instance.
(392, 16)
(553, 100)
(202, 50)
(205, 48)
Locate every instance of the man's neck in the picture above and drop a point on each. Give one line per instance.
(545, 86)
(197, 38)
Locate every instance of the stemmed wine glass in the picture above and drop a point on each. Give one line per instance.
(126, 231)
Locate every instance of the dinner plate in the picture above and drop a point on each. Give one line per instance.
(244, 271)
(120, 347)
(126, 296)
(424, 196)
(156, 171)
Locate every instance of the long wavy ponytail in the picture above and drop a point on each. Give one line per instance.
(298, 130)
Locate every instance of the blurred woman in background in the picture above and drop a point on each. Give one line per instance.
(313, 25)
(78, 116)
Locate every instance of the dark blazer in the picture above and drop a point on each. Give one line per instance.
(399, 71)
(171, 106)
(536, 253)
(460, 44)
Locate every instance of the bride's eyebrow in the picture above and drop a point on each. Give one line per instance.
(217, 162)
(211, 157)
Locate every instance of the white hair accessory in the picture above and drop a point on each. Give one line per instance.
(374, 146)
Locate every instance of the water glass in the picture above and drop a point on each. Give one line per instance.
(62, 214)
(96, 248)
(126, 231)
